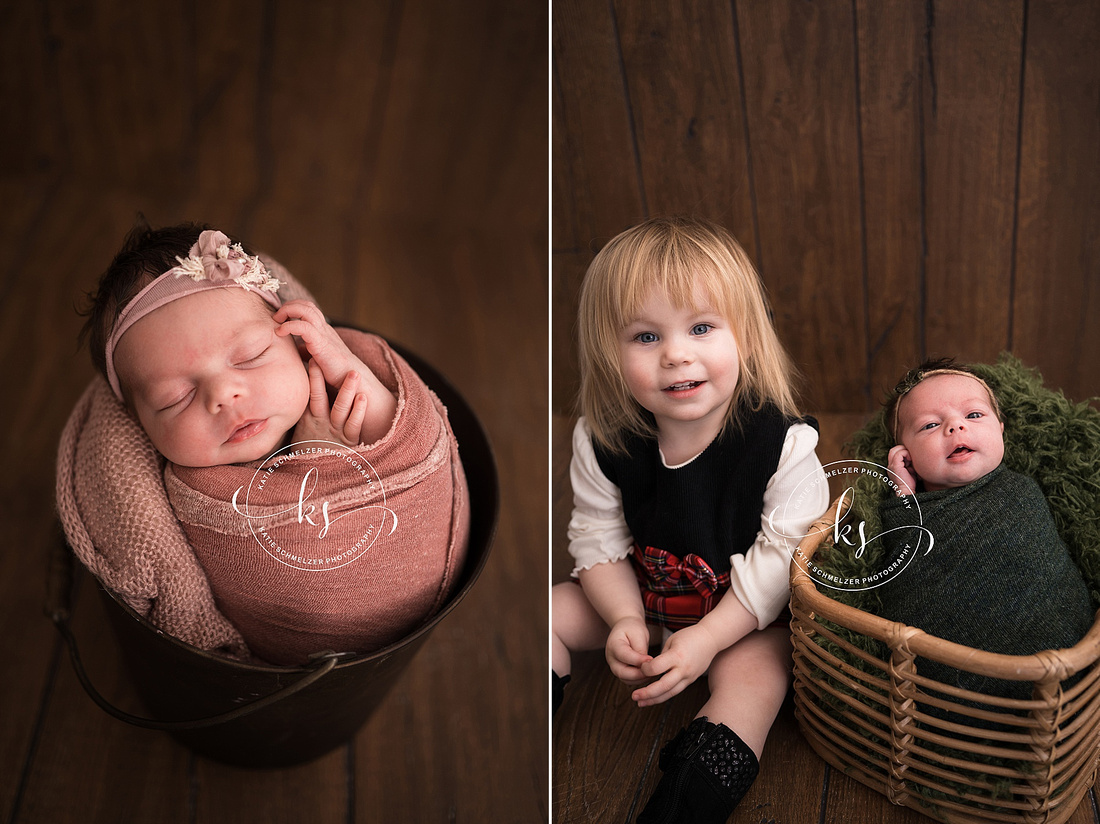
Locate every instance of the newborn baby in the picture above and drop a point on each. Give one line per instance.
(314, 474)
(999, 577)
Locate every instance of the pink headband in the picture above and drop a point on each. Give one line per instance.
(212, 263)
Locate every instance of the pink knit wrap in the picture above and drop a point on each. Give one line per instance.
(203, 578)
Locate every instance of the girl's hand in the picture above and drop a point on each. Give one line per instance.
(686, 656)
(344, 421)
(336, 364)
(627, 648)
(901, 465)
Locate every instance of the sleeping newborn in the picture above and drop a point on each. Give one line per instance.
(318, 483)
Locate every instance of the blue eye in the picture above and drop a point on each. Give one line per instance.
(646, 337)
(701, 328)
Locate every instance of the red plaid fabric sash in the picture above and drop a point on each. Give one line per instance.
(676, 592)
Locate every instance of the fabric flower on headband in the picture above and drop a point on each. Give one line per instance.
(212, 263)
(213, 258)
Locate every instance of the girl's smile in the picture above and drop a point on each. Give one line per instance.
(681, 363)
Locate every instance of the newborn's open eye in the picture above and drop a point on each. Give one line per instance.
(975, 415)
(929, 425)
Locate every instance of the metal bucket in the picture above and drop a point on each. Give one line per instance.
(268, 716)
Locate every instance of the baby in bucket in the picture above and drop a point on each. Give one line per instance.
(311, 472)
(998, 576)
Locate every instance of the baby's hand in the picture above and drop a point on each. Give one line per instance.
(343, 422)
(686, 656)
(627, 648)
(336, 364)
(901, 465)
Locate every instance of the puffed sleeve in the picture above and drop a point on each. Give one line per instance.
(597, 532)
(796, 495)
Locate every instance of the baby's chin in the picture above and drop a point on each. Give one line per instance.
(957, 482)
(255, 449)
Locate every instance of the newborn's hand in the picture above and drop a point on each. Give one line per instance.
(322, 343)
(337, 364)
(901, 465)
(343, 422)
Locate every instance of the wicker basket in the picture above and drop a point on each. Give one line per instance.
(1026, 761)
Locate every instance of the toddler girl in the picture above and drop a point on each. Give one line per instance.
(690, 436)
(190, 333)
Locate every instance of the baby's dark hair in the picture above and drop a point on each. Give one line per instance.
(927, 369)
(146, 254)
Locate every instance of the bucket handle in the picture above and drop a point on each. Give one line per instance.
(59, 610)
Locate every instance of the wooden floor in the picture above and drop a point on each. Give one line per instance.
(605, 749)
(393, 157)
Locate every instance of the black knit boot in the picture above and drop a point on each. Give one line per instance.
(707, 771)
(557, 689)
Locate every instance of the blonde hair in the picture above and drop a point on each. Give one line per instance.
(677, 256)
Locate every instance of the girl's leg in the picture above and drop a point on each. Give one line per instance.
(575, 625)
(748, 683)
(710, 765)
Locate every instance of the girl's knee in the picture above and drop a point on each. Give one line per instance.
(574, 621)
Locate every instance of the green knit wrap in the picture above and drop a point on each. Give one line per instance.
(998, 578)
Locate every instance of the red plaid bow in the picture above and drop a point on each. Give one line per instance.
(664, 568)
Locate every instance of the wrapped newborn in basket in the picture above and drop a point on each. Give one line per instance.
(249, 478)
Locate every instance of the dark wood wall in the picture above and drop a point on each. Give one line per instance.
(911, 178)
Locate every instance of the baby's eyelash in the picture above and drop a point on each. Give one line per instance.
(256, 358)
(176, 402)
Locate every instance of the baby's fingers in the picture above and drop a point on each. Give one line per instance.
(345, 398)
(301, 309)
(353, 429)
(318, 393)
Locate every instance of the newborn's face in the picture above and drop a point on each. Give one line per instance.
(209, 379)
(948, 425)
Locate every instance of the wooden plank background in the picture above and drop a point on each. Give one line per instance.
(393, 155)
(911, 179)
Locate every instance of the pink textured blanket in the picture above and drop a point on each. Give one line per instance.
(410, 529)
(326, 547)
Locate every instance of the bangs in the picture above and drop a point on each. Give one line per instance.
(687, 274)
